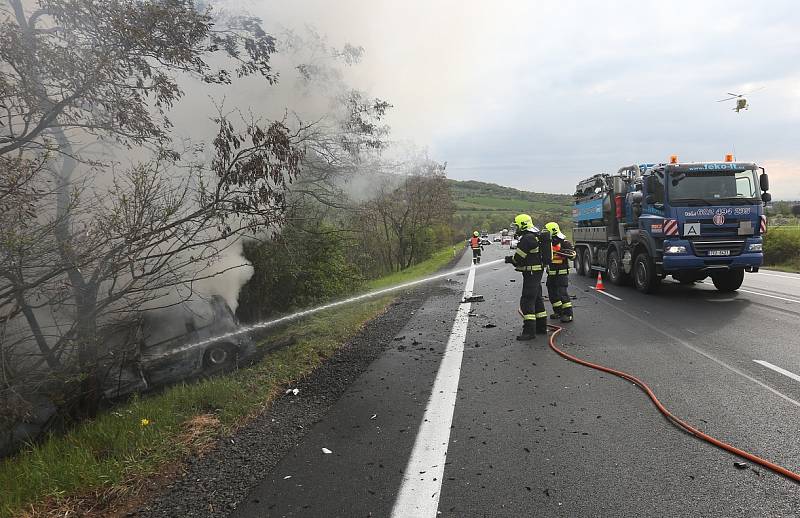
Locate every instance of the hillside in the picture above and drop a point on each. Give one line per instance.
(491, 207)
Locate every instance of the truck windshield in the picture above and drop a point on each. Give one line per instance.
(713, 187)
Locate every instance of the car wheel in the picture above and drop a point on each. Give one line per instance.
(728, 281)
(644, 274)
(219, 357)
(615, 272)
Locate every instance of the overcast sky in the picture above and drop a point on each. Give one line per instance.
(537, 95)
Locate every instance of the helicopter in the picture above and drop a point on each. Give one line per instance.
(741, 100)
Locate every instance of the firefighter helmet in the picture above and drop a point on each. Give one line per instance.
(476, 233)
(523, 222)
(553, 228)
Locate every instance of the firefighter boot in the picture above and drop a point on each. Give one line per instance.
(541, 326)
(556, 314)
(528, 331)
(566, 315)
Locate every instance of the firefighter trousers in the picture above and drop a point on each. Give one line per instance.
(557, 284)
(531, 303)
(476, 255)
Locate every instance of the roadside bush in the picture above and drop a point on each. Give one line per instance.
(296, 270)
(782, 246)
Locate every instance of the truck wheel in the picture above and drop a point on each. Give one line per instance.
(728, 281)
(587, 262)
(615, 272)
(579, 266)
(644, 274)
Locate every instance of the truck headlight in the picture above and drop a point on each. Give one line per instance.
(675, 249)
(755, 247)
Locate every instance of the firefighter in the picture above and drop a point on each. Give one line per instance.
(561, 253)
(475, 244)
(528, 260)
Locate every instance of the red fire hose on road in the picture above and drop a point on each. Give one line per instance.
(678, 422)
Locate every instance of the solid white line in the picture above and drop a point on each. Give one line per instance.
(770, 296)
(422, 481)
(607, 294)
(778, 369)
(704, 354)
(762, 272)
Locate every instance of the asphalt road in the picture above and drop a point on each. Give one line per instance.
(528, 433)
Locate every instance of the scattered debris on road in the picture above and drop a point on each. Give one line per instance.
(473, 298)
(293, 391)
(373, 416)
(489, 326)
(398, 338)
(740, 465)
(326, 451)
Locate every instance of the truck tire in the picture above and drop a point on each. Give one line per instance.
(644, 274)
(579, 266)
(587, 262)
(728, 281)
(615, 272)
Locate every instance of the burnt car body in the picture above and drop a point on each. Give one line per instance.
(179, 343)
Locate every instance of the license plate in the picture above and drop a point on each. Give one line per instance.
(719, 252)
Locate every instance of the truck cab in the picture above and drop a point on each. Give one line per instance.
(686, 220)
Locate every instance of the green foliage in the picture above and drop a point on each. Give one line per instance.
(782, 246)
(298, 269)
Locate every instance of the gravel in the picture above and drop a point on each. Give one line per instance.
(213, 485)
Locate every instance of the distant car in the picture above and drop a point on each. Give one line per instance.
(496, 239)
(506, 240)
(514, 243)
(485, 241)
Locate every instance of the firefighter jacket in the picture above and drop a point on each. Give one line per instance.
(475, 243)
(527, 257)
(562, 252)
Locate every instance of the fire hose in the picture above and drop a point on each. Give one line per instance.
(674, 419)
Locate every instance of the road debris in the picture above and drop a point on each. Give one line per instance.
(398, 338)
(740, 465)
(489, 326)
(287, 477)
(293, 391)
(473, 298)
(373, 416)
(326, 451)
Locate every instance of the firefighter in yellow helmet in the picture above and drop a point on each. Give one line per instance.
(528, 259)
(475, 244)
(562, 252)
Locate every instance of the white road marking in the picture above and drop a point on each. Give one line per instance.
(705, 354)
(778, 369)
(422, 481)
(770, 296)
(762, 272)
(607, 294)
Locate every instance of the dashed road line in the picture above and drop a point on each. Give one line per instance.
(607, 294)
(778, 369)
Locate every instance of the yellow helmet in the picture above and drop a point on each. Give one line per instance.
(553, 228)
(476, 233)
(523, 222)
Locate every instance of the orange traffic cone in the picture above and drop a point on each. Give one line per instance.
(599, 286)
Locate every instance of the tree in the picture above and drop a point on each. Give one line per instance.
(77, 72)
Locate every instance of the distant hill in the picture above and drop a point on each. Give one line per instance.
(492, 207)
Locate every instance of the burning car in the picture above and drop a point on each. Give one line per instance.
(181, 342)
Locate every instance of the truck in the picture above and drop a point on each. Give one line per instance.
(689, 221)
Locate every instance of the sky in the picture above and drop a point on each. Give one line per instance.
(537, 95)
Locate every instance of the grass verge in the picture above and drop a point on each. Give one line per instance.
(102, 462)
